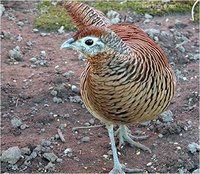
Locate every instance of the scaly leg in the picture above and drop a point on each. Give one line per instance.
(124, 134)
(118, 167)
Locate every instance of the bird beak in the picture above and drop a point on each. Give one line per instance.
(67, 44)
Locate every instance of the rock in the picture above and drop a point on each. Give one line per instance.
(12, 155)
(146, 21)
(160, 135)
(149, 164)
(92, 121)
(45, 143)
(152, 32)
(43, 54)
(54, 92)
(15, 54)
(25, 151)
(148, 16)
(2, 9)
(20, 24)
(181, 49)
(75, 89)
(6, 35)
(50, 156)
(195, 57)
(33, 155)
(75, 99)
(57, 100)
(44, 34)
(50, 167)
(167, 116)
(59, 160)
(35, 30)
(68, 152)
(113, 16)
(16, 122)
(19, 38)
(193, 147)
(85, 139)
(197, 171)
(23, 126)
(61, 30)
(68, 74)
(33, 59)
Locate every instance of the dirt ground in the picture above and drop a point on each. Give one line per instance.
(40, 94)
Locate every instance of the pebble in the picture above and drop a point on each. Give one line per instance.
(75, 99)
(68, 74)
(149, 164)
(35, 30)
(33, 59)
(46, 143)
(75, 89)
(23, 126)
(196, 57)
(11, 155)
(2, 9)
(59, 160)
(160, 135)
(148, 16)
(25, 151)
(193, 147)
(50, 156)
(44, 34)
(57, 100)
(50, 167)
(61, 30)
(92, 121)
(33, 154)
(167, 116)
(16, 122)
(15, 54)
(152, 32)
(181, 49)
(20, 23)
(85, 139)
(113, 16)
(68, 152)
(6, 35)
(54, 92)
(197, 171)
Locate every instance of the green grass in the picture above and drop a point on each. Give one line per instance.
(53, 17)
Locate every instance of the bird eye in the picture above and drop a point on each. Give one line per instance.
(89, 42)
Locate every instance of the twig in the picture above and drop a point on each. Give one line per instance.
(85, 127)
(61, 135)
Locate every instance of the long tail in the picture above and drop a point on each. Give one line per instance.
(83, 15)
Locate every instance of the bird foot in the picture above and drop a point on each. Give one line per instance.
(124, 135)
(123, 169)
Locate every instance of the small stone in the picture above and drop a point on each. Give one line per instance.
(50, 167)
(146, 21)
(75, 89)
(68, 74)
(59, 160)
(6, 35)
(54, 92)
(181, 49)
(85, 139)
(113, 16)
(35, 30)
(33, 154)
(15, 54)
(12, 155)
(33, 59)
(2, 9)
(20, 23)
(16, 122)
(50, 156)
(197, 171)
(25, 151)
(57, 100)
(44, 34)
(148, 16)
(152, 32)
(167, 116)
(43, 53)
(61, 30)
(91, 121)
(23, 126)
(160, 135)
(149, 164)
(46, 143)
(196, 57)
(193, 147)
(68, 152)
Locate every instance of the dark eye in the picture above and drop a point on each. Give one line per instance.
(89, 42)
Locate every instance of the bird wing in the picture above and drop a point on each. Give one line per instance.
(83, 15)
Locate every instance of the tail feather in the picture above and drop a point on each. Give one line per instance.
(83, 15)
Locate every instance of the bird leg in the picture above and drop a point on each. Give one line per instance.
(124, 134)
(118, 167)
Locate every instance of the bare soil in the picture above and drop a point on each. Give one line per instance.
(26, 94)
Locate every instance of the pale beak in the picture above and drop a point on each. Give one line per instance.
(67, 44)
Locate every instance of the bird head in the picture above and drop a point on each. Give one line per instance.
(95, 41)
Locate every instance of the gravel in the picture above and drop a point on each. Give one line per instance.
(68, 152)
(148, 16)
(68, 74)
(45, 143)
(25, 151)
(57, 100)
(152, 32)
(50, 156)
(75, 89)
(193, 147)
(61, 30)
(167, 116)
(50, 167)
(12, 155)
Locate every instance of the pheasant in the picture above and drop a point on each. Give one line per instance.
(127, 78)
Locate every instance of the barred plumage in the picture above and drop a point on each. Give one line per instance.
(127, 79)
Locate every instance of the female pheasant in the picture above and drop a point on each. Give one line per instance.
(127, 79)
